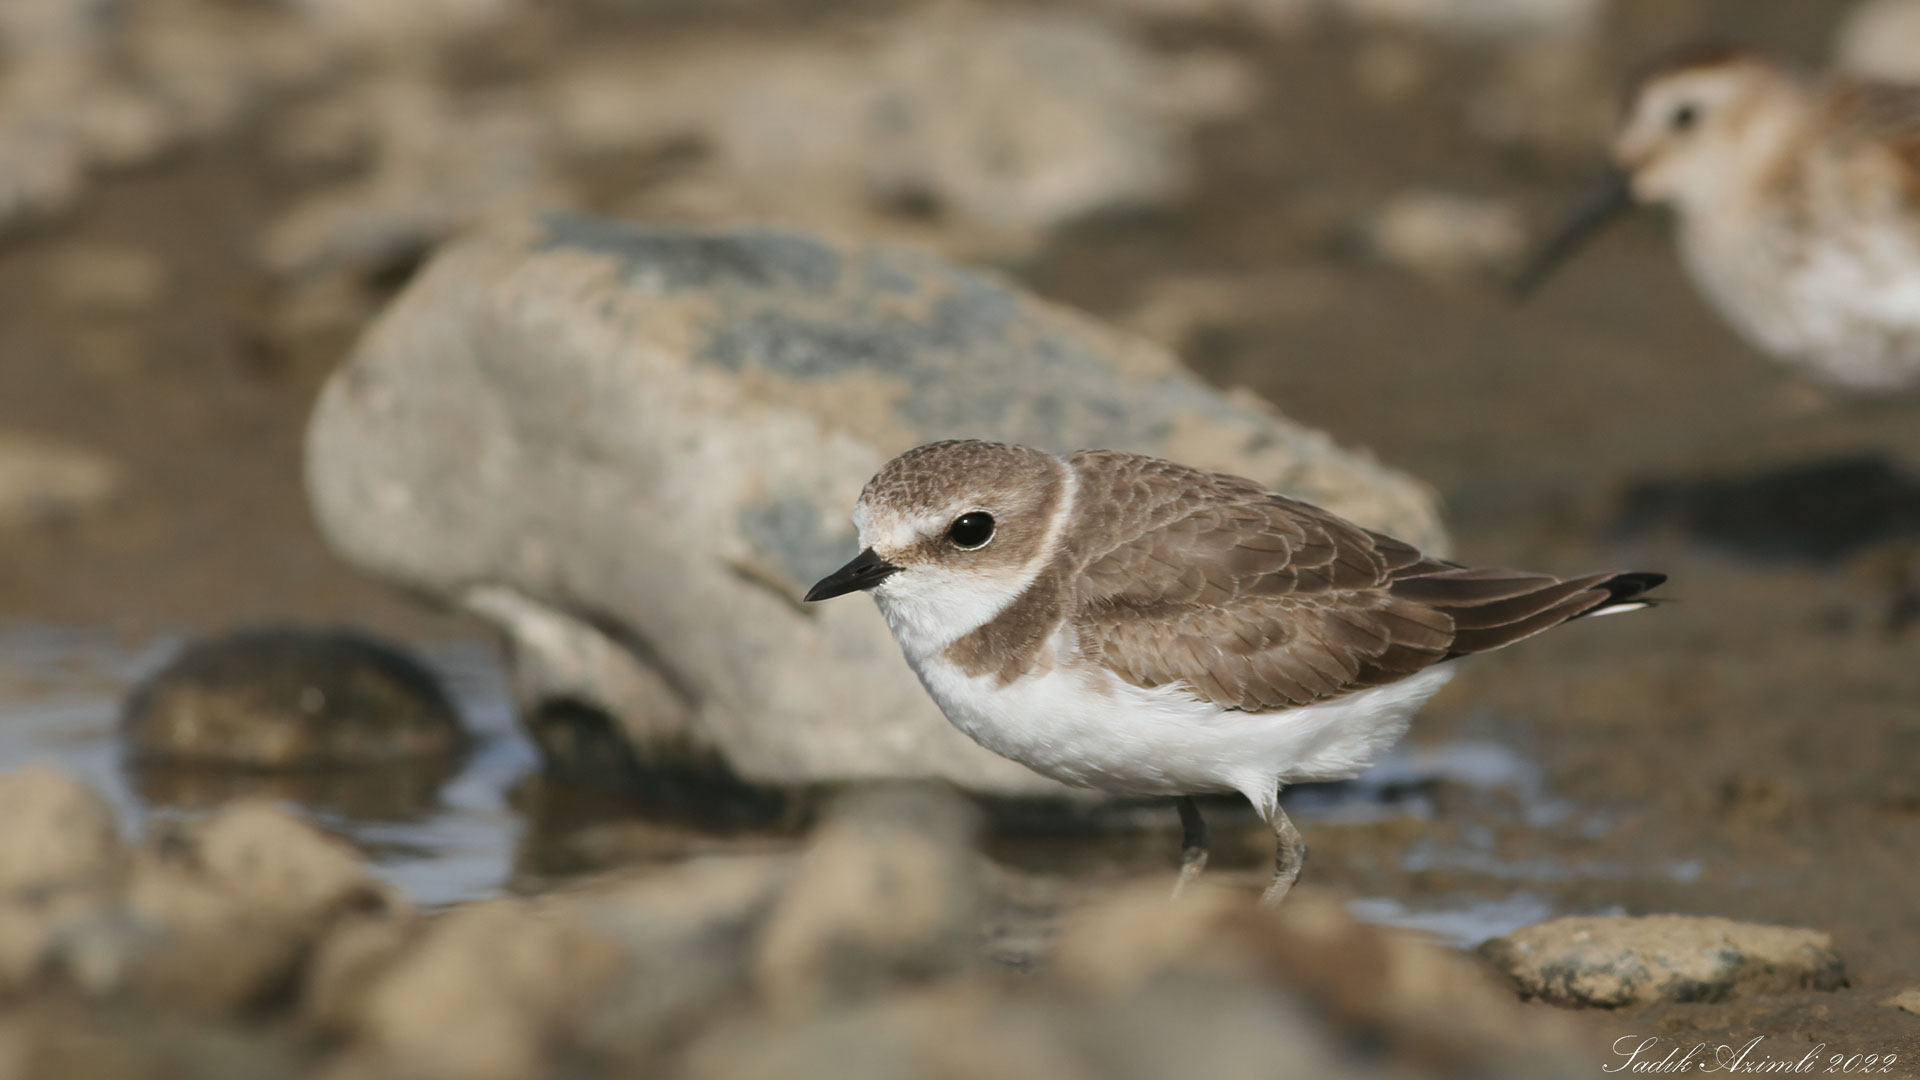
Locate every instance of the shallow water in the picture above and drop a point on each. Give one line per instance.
(445, 838)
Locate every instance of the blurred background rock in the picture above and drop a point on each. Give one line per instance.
(205, 203)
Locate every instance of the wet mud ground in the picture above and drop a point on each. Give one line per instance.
(1751, 749)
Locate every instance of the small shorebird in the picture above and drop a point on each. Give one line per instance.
(1123, 623)
(1797, 205)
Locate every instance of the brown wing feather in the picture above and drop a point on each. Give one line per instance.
(1259, 602)
(1874, 112)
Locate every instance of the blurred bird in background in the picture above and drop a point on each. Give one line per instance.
(1795, 201)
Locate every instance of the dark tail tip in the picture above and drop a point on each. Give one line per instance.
(1630, 588)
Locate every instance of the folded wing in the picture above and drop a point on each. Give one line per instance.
(1259, 602)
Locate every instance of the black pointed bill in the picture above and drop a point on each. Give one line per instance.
(1610, 194)
(864, 572)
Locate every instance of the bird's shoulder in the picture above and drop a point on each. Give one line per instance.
(1876, 118)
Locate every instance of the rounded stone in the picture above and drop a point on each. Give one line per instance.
(54, 831)
(291, 698)
(1608, 961)
(280, 865)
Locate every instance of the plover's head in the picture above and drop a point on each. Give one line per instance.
(959, 525)
(1697, 124)
(1692, 121)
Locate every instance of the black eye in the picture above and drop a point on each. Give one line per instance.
(1683, 118)
(971, 530)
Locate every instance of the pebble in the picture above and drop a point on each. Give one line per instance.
(887, 890)
(1611, 961)
(1446, 234)
(54, 831)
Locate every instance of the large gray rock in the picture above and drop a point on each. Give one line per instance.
(634, 449)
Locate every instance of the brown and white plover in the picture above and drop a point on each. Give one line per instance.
(1127, 624)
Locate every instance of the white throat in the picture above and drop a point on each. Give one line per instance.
(930, 607)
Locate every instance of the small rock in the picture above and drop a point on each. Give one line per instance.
(42, 932)
(54, 831)
(180, 941)
(208, 917)
(1443, 234)
(1908, 999)
(118, 127)
(289, 698)
(350, 959)
(1880, 38)
(687, 937)
(43, 481)
(280, 865)
(612, 971)
(481, 992)
(107, 281)
(1610, 961)
(886, 892)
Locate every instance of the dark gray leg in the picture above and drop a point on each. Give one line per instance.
(1193, 842)
(1289, 852)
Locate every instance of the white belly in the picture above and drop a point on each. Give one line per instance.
(1083, 726)
(1845, 312)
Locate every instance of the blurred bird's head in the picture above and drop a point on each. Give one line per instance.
(1699, 121)
(1695, 124)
